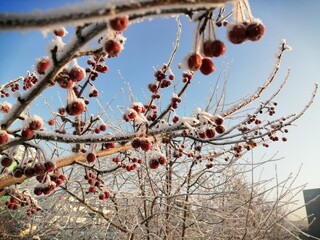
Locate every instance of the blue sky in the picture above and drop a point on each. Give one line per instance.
(149, 44)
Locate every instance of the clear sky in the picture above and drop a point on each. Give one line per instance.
(149, 45)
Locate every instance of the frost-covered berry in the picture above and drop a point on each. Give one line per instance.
(154, 163)
(26, 134)
(162, 160)
(145, 145)
(112, 48)
(207, 66)
(5, 107)
(77, 74)
(194, 62)
(76, 107)
(60, 32)
(255, 31)
(119, 23)
(34, 123)
(4, 137)
(42, 65)
(237, 33)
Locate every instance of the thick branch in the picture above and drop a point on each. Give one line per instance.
(103, 11)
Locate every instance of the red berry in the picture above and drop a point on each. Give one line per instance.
(207, 66)
(64, 82)
(154, 163)
(27, 134)
(75, 108)
(136, 143)
(6, 161)
(202, 135)
(50, 166)
(218, 48)
(220, 129)
(35, 125)
(113, 48)
(219, 121)
(51, 122)
(145, 145)
(162, 160)
(91, 157)
(109, 145)
(119, 23)
(103, 127)
(29, 171)
(42, 65)
(194, 62)
(102, 196)
(37, 191)
(91, 181)
(18, 172)
(214, 48)
(237, 33)
(60, 32)
(255, 31)
(107, 194)
(39, 169)
(76, 74)
(92, 189)
(4, 137)
(210, 133)
(209, 165)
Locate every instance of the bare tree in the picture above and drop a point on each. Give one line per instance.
(157, 173)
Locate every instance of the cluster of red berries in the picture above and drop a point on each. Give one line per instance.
(13, 87)
(174, 101)
(144, 144)
(96, 183)
(240, 32)
(30, 125)
(109, 145)
(98, 66)
(152, 112)
(49, 182)
(22, 200)
(237, 150)
(100, 128)
(155, 162)
(210, 48)
(30, 81)
(37, 170)
(4, 94)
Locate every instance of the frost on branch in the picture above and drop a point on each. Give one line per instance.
(144, 140)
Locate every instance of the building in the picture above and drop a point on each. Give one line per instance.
(312, 201)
